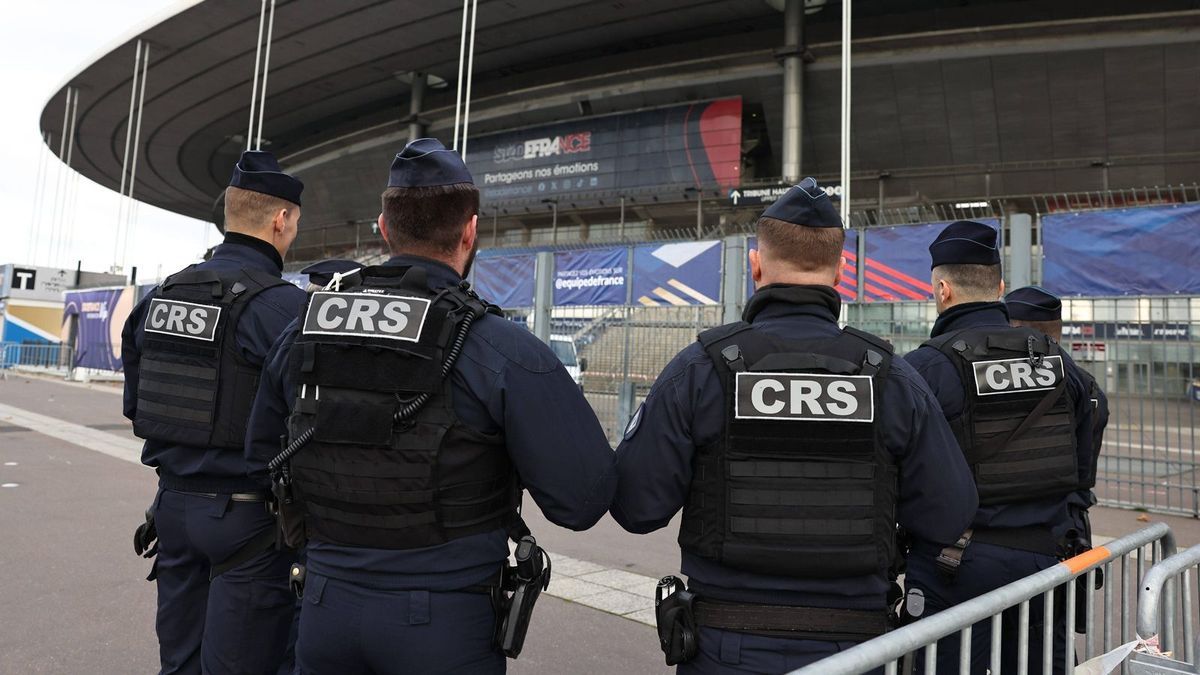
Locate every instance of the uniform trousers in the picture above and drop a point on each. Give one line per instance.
(350, 629)
(239, 623)
(985, 567)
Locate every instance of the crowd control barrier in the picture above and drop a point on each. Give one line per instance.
(1155, 615)
(1121, 561)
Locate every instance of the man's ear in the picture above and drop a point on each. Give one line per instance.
(470, 232)
(755, 266)
(383, 230)
(279, 222)
(837, 276)
(1001, 288)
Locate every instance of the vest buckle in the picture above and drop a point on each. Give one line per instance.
(950, 558)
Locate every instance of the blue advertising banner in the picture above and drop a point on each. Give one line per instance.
(590, 277)
(1142, 251)
(695, 144)
(687, 273)
(101, 314)
(506, 280)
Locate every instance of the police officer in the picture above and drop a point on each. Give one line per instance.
(794, 448)
(414, 415)
(1041, 310)
(193, 350)
(1020, 414)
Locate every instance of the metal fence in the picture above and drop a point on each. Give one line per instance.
(40, 357)
(1153, 598)
(1144, 351)
(1108, 619)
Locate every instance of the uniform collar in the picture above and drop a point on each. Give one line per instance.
(969, 315)
(778, 300)
(236, 243)
(437, 273)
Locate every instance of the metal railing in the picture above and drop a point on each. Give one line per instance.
(41, 357)
(1149, 545)
(1154, 616)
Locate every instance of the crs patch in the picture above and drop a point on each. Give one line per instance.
(182, 319)
(1013, 376)
(809, 397)
(393, 317)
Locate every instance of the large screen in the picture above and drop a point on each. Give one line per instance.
(697, 144)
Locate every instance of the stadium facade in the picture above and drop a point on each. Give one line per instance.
(633, 119)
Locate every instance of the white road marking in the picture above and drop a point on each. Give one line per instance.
(10, 464)
(614, 591)
(128, 449)
(7, 485)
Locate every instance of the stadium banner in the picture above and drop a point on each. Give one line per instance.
(590, 277)
(698, 144)
(1139, 251)
(506, 280)
(687, 273)
(101, 314)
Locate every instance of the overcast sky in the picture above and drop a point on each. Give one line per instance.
(41, 44)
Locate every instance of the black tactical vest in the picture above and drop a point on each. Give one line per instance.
(1017, 428)
(194, 386)
(800, 484)
(365, 354)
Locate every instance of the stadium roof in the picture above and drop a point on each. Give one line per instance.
(337, 76)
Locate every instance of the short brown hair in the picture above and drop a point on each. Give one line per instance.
(1051, 328)
(972, 281)
(428, 218)
(806, 249)
(250, 211)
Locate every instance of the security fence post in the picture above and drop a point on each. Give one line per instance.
(1020, 250)
(543, 295)
(733, 287)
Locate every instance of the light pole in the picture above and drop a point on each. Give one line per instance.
(699, 210)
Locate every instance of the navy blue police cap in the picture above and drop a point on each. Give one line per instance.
(425, 162)
(965, 242)
(259, 171)
(1033, 303)
(805, 204)
(321, 273)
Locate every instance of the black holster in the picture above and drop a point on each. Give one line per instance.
(296, 578)
(289, 514)
(517, 593)
(1078, 543)
(674, 612)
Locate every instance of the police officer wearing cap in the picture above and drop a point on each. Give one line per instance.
(1022, 419)
(413, 415)
(193, 350)
(1041, 310)
(794, 448)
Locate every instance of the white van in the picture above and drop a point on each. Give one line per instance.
(564, 349)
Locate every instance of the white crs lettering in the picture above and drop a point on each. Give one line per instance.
(183, 319)
(793, 397)
(366, 315)
(362, 315)
(1014, 375)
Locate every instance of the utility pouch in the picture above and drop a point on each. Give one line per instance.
(289, 515)
(674, 612)
(520, 586)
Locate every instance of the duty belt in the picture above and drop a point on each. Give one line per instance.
(1031, 539)
(820, 623)
(257, 497)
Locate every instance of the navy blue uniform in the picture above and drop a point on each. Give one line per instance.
(389, 610)
(986, 566)
(686, 409)
(239, 622)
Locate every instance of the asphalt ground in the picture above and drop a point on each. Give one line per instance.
(74, 597)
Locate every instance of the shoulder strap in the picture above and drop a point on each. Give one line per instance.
(714, 335)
